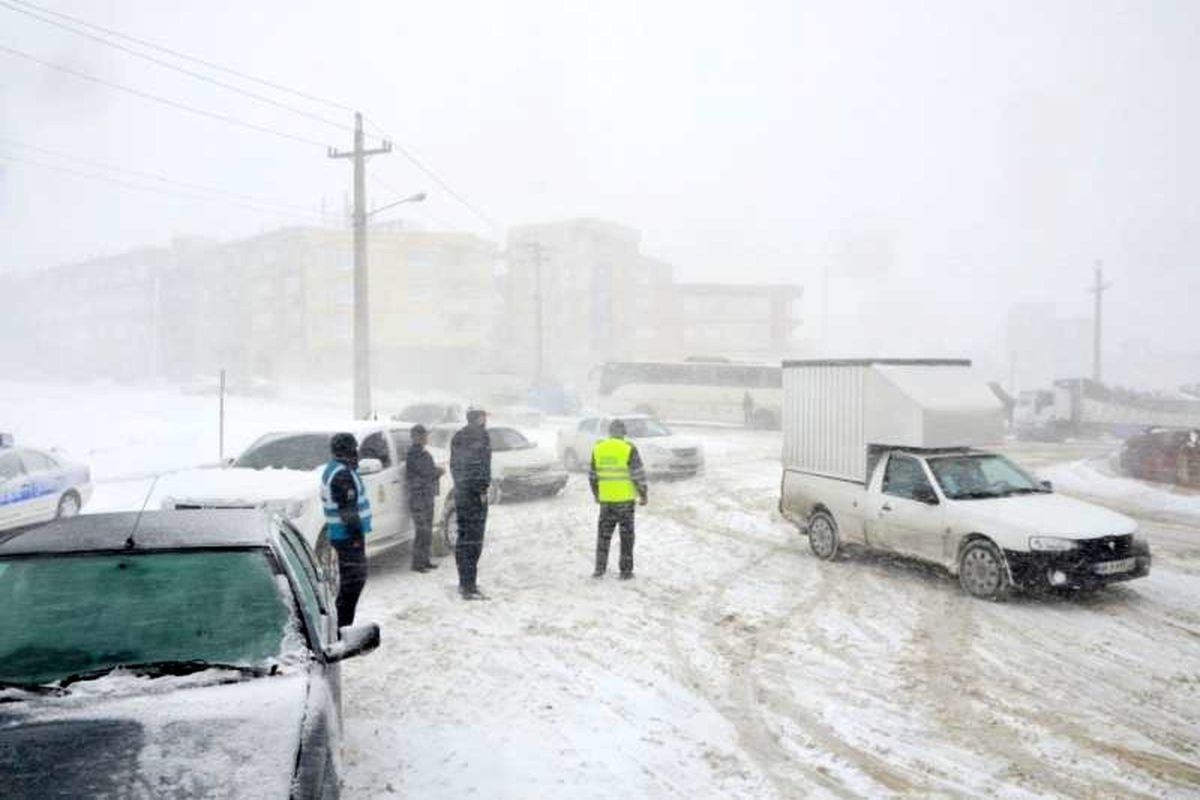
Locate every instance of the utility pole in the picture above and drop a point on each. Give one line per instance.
(1098, 289)
(537, 255)
(362, 309)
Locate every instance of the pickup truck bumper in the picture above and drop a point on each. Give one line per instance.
(1078, 569)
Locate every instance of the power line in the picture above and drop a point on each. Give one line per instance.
(164, 100)
(185, 56)
(434, 177)
(290, 207)
(138, 186)
(191, 73)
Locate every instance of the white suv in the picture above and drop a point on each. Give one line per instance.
(663, 451)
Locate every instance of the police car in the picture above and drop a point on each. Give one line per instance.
(36, 486)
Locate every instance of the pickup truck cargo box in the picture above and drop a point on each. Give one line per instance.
(834, 410)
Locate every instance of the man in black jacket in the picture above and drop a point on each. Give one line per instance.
(421, 476)
(471, 467)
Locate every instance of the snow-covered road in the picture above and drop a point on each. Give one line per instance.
(735, 665)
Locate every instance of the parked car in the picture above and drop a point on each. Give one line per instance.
(663, 451)
(519, 467)
(36, 486)
(170, 654)
(281, 472)
(1166, 455)
(881, 454)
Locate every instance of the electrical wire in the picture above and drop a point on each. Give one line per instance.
(164, 100)
(4, 157)
(191, 73)
(261, 201)
(184, 56)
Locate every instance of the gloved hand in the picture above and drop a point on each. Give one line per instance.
(643, 500)
(354, 529)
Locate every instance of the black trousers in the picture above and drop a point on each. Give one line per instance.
(472, 519)
(352, 575)
(612, 515)
(422, 519)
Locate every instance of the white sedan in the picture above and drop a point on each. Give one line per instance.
(663, 451)
(281, 472)
(519, 467)
(36, 486)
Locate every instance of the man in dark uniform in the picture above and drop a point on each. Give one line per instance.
(348, 521)
(617, 479)
(471, 468)
(421, 476)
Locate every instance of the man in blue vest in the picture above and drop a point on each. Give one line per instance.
(617, 480)
(348, 520)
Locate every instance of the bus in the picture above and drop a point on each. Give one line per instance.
(725, 392)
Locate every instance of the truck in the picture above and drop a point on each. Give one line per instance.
(888, 454)
(1077, 407)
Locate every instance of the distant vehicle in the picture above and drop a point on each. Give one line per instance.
(170, 654)
(1165, 455)
(663, 452)
(879, 453)
(432, 413)
(36, 486)
(1082, 407)
(281, 472)
(519, 467)
(693, 391)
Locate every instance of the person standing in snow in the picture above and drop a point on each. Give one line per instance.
(748, 409)
(471, 468)
(348, 520)
(421, 476)
(617, 479)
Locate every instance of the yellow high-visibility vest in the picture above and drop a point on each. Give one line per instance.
(611, 457)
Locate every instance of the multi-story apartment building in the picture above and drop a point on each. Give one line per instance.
(741, 321)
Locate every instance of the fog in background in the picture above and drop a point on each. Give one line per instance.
(923, 166)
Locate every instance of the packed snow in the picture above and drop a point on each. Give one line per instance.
(735, 665)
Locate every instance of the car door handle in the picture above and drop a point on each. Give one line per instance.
(885, 507)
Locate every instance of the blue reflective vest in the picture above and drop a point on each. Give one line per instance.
(333, 520)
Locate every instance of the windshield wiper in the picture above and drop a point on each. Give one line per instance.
(157, 669)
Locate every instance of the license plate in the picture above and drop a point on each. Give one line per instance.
(1114, 567)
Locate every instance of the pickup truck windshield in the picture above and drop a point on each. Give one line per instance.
(972, 477)
(65, 615)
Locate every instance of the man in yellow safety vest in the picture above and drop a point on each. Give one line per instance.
(617, 480)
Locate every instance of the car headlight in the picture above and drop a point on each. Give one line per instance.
(1053, 544)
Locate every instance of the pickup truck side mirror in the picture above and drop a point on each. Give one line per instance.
(1047, 485)
(925, 494)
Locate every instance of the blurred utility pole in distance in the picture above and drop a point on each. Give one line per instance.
(1098, 289)
(362, 309)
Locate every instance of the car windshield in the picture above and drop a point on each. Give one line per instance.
(970, 477)
(302, 451)
(68, 614)
(503, 439)
(642, 428)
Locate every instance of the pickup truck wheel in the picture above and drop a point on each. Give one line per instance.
(982, 571)
(823, 536)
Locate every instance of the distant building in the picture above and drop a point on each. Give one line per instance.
(1043, 347)
(744, 321)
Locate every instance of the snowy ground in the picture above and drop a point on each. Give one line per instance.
(735, 665)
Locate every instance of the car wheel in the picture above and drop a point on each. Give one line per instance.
(823, 536)
(445, 542)
(982, 571)
(68, 505)
(572, 462)
(327, 561)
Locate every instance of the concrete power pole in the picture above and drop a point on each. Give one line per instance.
(1098, 289)
(362, 309)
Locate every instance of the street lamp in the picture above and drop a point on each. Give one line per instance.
(362, 314)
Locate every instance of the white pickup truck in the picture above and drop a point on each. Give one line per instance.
(880, 454)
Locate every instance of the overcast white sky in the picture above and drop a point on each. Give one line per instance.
(977, 154)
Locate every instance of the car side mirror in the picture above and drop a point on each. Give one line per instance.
(925, 494)
(369, 466)
(355, 641)
(1047, 485)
